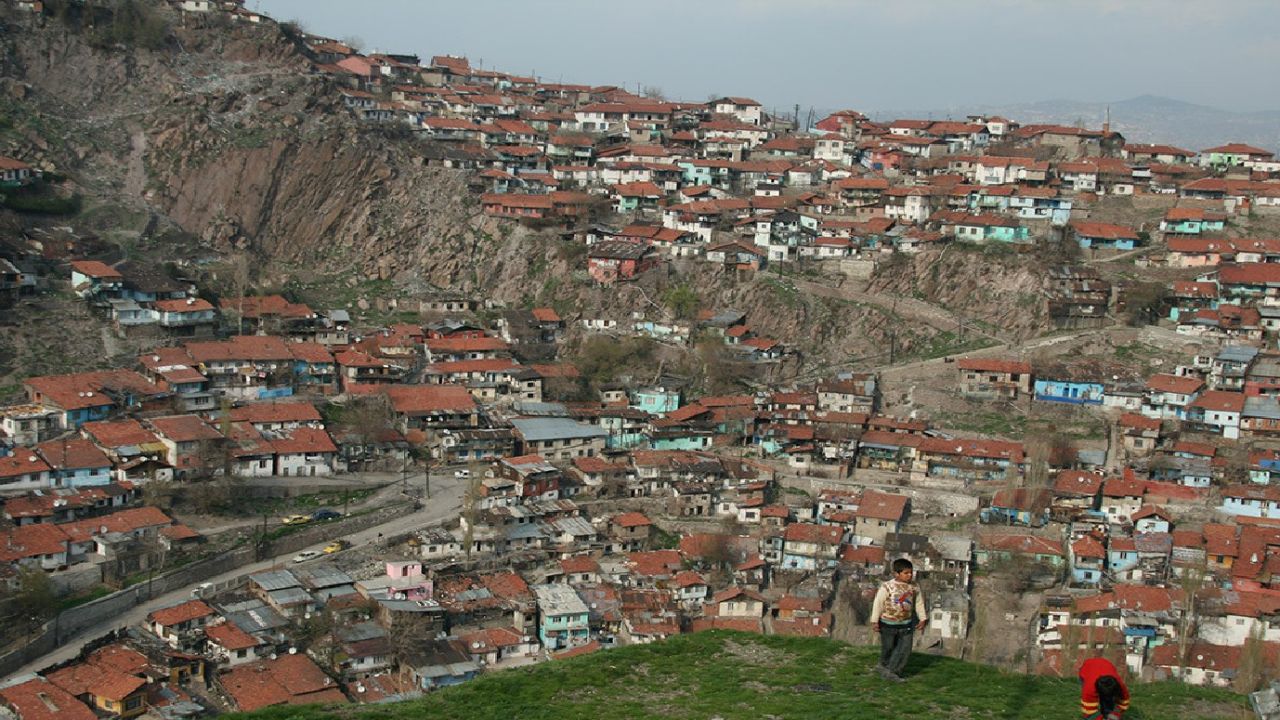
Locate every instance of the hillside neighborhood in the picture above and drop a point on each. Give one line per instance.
(335, 510)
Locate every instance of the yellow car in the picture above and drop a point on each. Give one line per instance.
(295, 519)
(336, 546)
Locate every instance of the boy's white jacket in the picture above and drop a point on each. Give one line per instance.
(895, 602)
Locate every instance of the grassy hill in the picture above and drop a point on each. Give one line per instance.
(732, 675)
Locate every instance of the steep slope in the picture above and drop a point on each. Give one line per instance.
(221, 145)
(736, 675)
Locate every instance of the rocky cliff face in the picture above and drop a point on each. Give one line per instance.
(226, 137)
(997, 289)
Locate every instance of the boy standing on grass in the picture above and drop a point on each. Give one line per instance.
(897, 612)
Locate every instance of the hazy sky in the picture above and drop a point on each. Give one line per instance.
(862, 54)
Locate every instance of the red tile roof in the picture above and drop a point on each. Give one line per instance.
(1011, 451)
(654, 562)
(240, 348)
(426, 399)
(22, 462)
(1123, 487)
(301, 412)
(310, 352)
(1103, 230)
(994, 365)
(862, 555)
(119, 433)
(631, 519)
(96, 681)
(586, 649)
(1139, 422)
(507, 585)
(86, 390)
(39, 699)
(257, 306)
(75, 453)
(580, 564)
(1088, 547)
(119, 657)
(183, 306)
(688, 578)
(304, 440)
(292, 679)
(231, 637)
(184, 428)
(96, 269)
(1022, 544)
(882, 506)
(816, 534)
(1176, 384)
(180, 613)
(1220, 400)
(739, 624)
(466, 344)
(27, 541)
(1250, 274)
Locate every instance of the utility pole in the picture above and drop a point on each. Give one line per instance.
(426, 480)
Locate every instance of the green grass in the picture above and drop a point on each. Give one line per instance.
(943, 344)
(734, 675)
(784, 290)
(1005, 423)
(80, 599)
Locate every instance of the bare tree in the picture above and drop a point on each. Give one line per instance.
(1253, 664)
(1193, 579)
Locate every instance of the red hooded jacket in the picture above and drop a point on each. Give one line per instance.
(1090, 671)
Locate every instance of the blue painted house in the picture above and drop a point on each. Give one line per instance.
(656, 400)
(1122, 554)
(1264, 467)
(1019, 506)
(1251, 500)
(441, 663)
(75, 463)
(1075, 392)
(1088, 561)
(1104, 236)
(1192, 221)
(562, 617)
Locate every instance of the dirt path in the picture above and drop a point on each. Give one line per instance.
(135, 177)
(902, 307)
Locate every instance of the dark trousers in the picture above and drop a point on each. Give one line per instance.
(895, 646)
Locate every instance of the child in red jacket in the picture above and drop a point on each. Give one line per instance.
(1103, 695)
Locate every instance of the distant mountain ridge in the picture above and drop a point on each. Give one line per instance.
(1144, 119)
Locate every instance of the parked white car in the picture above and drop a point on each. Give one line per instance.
(306, 555)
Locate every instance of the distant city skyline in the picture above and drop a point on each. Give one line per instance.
(870, 56)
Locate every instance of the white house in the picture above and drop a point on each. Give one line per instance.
(305, 451)
(745, 109)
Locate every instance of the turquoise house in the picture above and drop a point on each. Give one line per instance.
(685, 441)
(656, 400)
(696, 174)
(563, 620)
(1075, 392)
(1005, 233)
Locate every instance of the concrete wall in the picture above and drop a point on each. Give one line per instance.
(77, 578)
